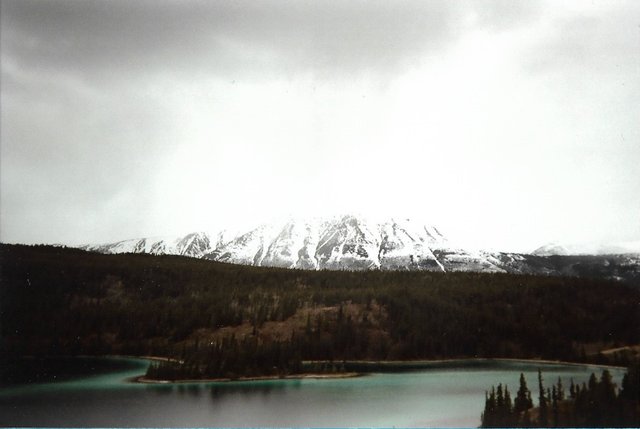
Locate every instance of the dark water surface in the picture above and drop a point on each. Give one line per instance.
(95, 392)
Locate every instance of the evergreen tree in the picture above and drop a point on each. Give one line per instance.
(523, 397)
(607, 389)
(498, 408)
(543, 420)
(489, 414)
(631, 384)
(572, 390)
(508, 418)
(560, 390)
(595, 404)
(593, 382)
(483, 415)
(554, 406)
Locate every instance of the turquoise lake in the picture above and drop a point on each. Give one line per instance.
(99, 394)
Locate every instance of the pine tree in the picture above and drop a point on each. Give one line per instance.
(631, 384)
(560, 390)
(522, 401)
(508, 409)
(607, 388)
(554, 406)
(572, 390)
(489, 414)
(544, 418)
(593, 382)
(484, 415)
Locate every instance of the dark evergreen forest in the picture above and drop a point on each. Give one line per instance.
(223, 320)
(598, 403)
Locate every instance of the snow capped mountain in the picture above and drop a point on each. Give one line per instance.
(342, 243)
(357, 243)
(406, 244)
(551, 249)
(248, 248)
(345, 242)
(195, 244)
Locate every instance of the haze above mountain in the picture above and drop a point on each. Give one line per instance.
(508, 124)
(555, 248)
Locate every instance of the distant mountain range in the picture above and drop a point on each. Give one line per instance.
(632, 247)
(355, 243)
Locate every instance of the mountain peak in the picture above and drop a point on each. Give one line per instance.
(342, 241)
(352, 242)
(551, 249)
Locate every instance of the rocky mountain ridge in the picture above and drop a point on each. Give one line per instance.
(354, 243)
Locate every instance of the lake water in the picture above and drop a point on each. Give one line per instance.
(97, 393)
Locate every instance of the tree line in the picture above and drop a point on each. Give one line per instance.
(596, 403)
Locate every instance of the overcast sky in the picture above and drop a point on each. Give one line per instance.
(506, 123)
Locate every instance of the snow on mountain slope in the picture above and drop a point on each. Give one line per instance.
(347, 243)
(195, 244)
(472, 261)
(249, 248)
(290, 247)
(408, 245)
(358, 243)
(341, 242)
(551, 249)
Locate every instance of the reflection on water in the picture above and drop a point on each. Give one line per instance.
(161, 389)
(46, 370)
(267, 387)
(439, 396)
(224, 389)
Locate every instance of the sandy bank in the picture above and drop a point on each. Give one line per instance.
(143, 379)
(426, 364)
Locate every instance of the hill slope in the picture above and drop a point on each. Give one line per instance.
(68, 301)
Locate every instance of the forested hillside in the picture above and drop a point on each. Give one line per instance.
(229, 319)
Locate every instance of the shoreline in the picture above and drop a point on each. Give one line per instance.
(428, 363)
(558, 362)
(307, 376)
(396, 365)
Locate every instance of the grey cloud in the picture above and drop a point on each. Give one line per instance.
(67, 155)
(499, 15)
(588, 44)
(122, 39)
(80, 141)
(103, 39)
(591, 65)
